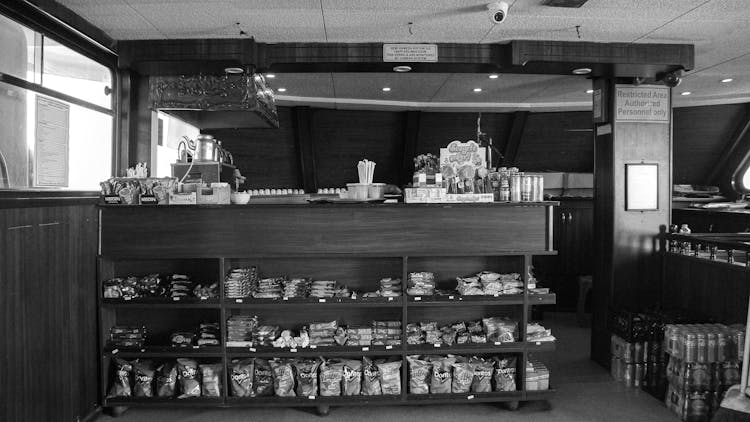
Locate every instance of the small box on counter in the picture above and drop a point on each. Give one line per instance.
(425, 195)
(215, 193)
(185, 198)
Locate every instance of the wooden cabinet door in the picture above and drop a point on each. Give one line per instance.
(579, 236)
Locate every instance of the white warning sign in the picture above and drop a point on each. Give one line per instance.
(649, 104)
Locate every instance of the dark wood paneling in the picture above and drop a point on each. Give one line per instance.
(437, 130)
(712, 221)
(47, 274)
(714, 289)
(343, 137)
(303, 135)
(185, 232)
(700, 134)
(267, 157)
(557, 141)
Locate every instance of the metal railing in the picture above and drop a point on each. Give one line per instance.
(732, 248)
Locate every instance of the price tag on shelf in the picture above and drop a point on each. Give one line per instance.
(312, 346)
(417, 298)
(176, 299)
(498, 343)
(321, 300)
(115, 351)
(127, 298)
(365, 349)
(196, 347)
(436, 345)
(460, 298)
(390, 299)
(388, 347)
(469, 397)
(252, 349)
(451, 297)
(293, 350)
(538, 343)
(238, 300)
(285, 298)
(311, 397)
(143, 350)
(496, 295)
(204, 297)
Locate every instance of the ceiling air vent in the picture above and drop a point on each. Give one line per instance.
(564, 3)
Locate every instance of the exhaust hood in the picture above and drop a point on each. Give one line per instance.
(216, 101)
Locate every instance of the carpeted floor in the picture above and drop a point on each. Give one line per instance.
(585, 393)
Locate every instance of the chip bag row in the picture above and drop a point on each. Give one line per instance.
(182, 378)
(432, 374)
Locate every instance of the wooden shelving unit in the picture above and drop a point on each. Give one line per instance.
(360, 270)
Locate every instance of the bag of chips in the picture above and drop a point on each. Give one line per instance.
(463, 374)
(505, 373)
(262, 379)
(420, 372)
(166, 379)
(187, 370)
(144, 379)
(241, 378)
(390, 377)
(211, 379)
(370, 378)
(331, 375)
(121, 385)
(482, 381)
(307, 377)
(283, 377)
(500, 329)
(352, 377)
(441, 380)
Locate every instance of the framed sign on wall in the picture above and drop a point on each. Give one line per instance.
(641, 187)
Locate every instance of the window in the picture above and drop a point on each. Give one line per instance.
(170, 133)
(56, 113)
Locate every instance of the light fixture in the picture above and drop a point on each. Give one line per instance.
(477, 89)
(233, 70)
(494, 76)
(386, 89)
(726, 80)
(582, 71)
(589, 91)
(270, 75)
(281, 89)
(402, 69)
(685, 93)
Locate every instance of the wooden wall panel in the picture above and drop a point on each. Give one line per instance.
(558, 142)
(700, 135)
(343, 137)
(267, 157)
(47, 276)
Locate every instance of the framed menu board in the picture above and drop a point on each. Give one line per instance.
(642, 187)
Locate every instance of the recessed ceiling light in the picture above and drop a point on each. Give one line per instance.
(494, 76)
(589, 91)
(402, 69)
(726, 80)
(386, 89)
(270, 75)
(685, 93)
(281, 89)
(477, 90)
(234, 70)
(582, 71)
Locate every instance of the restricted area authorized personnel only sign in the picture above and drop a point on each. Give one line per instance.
(648, 104)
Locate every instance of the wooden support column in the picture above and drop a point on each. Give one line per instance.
(631, 125)
(303, 135)
(411, 137)
(514, 138)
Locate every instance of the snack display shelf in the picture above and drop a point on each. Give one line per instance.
(314, 401)
(329, 351)
(164, 352)
(167, 303)
(379, 302)
(163, 401)
(458, 300)
(495, 396)
(487, 348)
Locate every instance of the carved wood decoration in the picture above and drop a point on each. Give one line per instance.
(235, 93)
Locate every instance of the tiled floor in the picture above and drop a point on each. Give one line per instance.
(585, 394)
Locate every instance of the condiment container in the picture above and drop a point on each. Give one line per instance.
(357, 191)
(376, 191)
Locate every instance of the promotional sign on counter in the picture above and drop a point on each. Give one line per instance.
(51, 147)
(460, 154)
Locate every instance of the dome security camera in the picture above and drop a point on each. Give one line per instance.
(671, 79)
(498, 11)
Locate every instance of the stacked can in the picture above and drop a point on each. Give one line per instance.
(633, 363)
(704, 361)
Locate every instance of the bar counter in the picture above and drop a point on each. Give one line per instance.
(191, 231)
